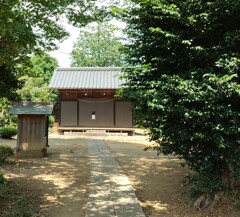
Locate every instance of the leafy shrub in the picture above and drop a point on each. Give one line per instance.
(5, 152)
(14, 119)
(51, 120)
(1, 119)
(208, 183)
(8, 132)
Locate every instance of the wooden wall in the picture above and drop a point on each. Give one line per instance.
(77, 108)
(32, 135)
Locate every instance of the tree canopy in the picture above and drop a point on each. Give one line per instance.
(30, 25)
(36, 79)
(97, 45)
(185, 82)
(33, 26)
(8, 82)
(42, 66)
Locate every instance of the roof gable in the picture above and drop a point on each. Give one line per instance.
(87, 78)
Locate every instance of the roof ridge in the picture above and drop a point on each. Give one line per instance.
(88, 68)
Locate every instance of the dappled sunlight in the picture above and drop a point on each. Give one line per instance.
(122, 182)
(14, 176)
(110, 193)
(156, 205)
(59, 184)
(134, 148)
(51, 200)
(155, 179)
(126, 201)
(60, 164)
(143, 140)
(56, 179)
(59, 181)
(59, 177)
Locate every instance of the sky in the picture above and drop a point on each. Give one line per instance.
(63, 53)
(65, 48)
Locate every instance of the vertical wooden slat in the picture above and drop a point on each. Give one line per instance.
(32, 133)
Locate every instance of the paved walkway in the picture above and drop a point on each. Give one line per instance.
(110, 192)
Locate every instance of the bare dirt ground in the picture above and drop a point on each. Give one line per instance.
(57, 186)
(158, 181)
(53, 186)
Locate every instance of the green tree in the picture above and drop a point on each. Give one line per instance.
(97, 46)
(42, 66)
(30, 26)
(36, 90)
(36, 79)
(185, 82)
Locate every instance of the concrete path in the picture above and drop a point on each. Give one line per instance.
(110, 192)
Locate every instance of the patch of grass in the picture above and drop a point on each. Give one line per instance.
(22, 209)
(3, 185)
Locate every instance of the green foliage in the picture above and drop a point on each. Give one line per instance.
(8, 82)
(5, 106)
(35, 83)
(30, 26)
(36, 90)
(14, 120)
(22, 208)
(8, 132)
(17, 37)
(42, 66)
(5, 152)
(3, 184)
(99, 46)
(51, 120)
(207, 183)
(185, 82)
(2, 120)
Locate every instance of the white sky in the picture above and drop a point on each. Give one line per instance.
(65, 48)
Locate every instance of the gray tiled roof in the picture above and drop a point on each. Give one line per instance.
(32, 108)
(86, 78)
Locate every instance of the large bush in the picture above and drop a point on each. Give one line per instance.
(8, 132)
(185, 83)
(5, 152)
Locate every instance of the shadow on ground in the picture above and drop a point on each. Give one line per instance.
(56, 185)
(158, 181)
